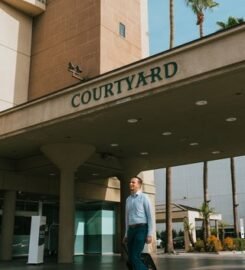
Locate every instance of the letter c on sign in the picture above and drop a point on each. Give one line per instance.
(75, 101)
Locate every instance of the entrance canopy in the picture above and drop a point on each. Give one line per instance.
(182, 106)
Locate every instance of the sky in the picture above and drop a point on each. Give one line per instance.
(186, 30)
(185, 21)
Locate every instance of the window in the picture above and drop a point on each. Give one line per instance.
(122, 30)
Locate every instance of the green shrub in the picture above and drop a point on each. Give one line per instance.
(214, 232)
(239, 244)
(199, 245)
(191, 249)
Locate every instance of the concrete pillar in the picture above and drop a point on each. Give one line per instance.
(149, 189)
(67, 157)
(7, 225)
(118, 240)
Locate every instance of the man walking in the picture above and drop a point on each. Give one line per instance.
(139, 223)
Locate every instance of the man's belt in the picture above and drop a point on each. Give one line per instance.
(137, 225)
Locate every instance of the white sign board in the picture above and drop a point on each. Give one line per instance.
(37, 237)
(242, 227)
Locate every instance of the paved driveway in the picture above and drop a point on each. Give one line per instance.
(201, 262)
(109, 262)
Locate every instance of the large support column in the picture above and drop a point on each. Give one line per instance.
(124, 193)
(66, 217)
(149, 189)
(118, 240)
(7, 225)
(67, 157)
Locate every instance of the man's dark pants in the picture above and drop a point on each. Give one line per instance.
(136, 240)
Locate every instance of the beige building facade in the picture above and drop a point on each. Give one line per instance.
(87, 34)
(15, 52)
(40, 40)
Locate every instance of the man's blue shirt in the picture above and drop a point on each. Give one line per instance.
(138, 210)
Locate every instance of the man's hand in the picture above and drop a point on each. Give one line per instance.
(125, 240)
(148, 239)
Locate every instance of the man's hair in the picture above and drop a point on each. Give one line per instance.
(139, 179)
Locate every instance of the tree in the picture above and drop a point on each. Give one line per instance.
(234, 197)
(222, 225)
(171, 23)
(169, 246)
(169, 230)
(206, 225)
(205, 212)
(205, 182)
(199, 7)
(231, 21)
(189, 228)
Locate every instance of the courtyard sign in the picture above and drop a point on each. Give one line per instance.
(125, 84)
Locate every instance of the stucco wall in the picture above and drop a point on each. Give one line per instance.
(117, 51)
(15, 47)
(85, 33)
(68, 31)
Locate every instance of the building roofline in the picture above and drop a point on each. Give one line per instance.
(217, 34)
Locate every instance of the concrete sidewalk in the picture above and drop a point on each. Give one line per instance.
(114, 262)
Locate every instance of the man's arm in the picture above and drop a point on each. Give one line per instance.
(126, 223)
(149, 215)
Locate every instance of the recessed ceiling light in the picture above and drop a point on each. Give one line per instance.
(133, 120)
(95, 174)
(231, 119)
(52, 174)
(144, 153)
(114, 144)
(123, 100)
(167, 133)
(216, 152)
(194, 144)
(201, 102)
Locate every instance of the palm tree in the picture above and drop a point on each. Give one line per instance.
(169, 226)
(171, 22)
(234, 196)
(205, 182)
(206, 201)
(205, 212)
(199, 7)
(188, 227)
(222, 225)
(231, 21)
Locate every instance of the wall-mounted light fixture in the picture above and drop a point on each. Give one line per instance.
(75, 70)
